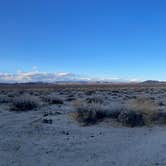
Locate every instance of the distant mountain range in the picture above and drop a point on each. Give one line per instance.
(153, 82)
(148, 82)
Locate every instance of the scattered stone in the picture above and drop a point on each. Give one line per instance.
(100, 133)
(65, 133)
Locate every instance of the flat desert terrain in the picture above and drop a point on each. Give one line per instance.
(83, 125)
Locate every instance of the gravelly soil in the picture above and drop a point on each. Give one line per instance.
(26, 141)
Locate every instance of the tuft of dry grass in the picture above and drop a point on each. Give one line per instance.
(87, 114)
(145, 107)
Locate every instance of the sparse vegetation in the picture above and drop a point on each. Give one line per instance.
(137, 112)
(124, 104)
(95, 99)
(90, 92)
(87, 114)
(5, 99)
(24, 103)
(144, 106)
(53, 99)
(131, 118)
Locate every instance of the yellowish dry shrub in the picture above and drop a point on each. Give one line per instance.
(87, 114)
(144, 106)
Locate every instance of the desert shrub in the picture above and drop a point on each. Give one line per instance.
(34, 93)
(115, 109)
(24, 103)
(115, 91)
(137, 112)
(71, 95)
(139, 109)
(87, 114)
(131, 119)
(90, 92)
(160, 103)
(11, 95)
(5, 99)
(21, 92)
(53, 99)
(70, 99)
(95, 99)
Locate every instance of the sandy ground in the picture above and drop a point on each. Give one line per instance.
(26, 141)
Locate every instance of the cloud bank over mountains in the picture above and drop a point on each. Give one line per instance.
(37, 76)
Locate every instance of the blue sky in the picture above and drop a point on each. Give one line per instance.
(108, 38)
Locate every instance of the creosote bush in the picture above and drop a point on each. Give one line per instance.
(24, 103)
(87, 114)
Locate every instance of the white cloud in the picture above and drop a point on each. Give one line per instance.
(135, 80)
(36, 76)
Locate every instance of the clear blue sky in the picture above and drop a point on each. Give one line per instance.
(123, 38)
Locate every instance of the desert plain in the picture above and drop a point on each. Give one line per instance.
(83, 125)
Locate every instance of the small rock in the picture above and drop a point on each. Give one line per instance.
(49, 121)
(65, 133)
(161, 103)
(45, 114)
